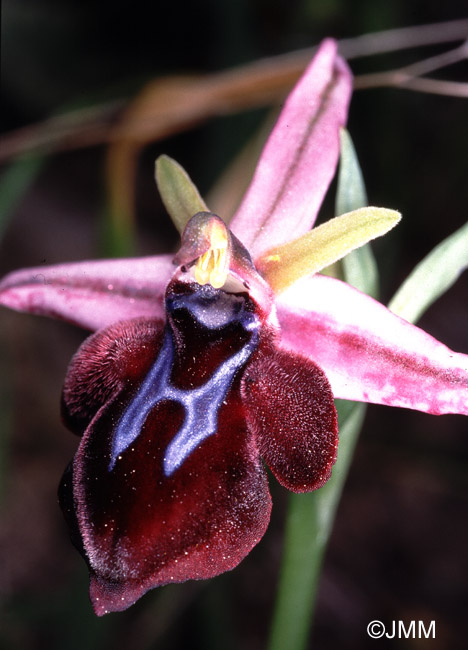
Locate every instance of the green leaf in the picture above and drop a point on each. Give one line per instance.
(308, 528)
(351, 192)
(178, 193)
(283, 265)
(359, 266)
(432, 277)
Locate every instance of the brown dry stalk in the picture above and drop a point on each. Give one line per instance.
(176, 103)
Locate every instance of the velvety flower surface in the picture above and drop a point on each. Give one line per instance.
(168, 482)
(197, 371)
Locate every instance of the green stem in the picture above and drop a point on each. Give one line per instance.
(308, 527)
(311, 516)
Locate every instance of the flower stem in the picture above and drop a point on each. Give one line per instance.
(308, 527)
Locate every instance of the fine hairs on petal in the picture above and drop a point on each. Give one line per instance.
(331, 241)
(140, 525)
(298, 436)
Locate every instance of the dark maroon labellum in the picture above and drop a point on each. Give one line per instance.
(168, 484)
(212, 311)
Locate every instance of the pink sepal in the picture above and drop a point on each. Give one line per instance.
(91, 294)
(368, 353)
(299, 159)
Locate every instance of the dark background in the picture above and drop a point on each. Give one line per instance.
(398, 550)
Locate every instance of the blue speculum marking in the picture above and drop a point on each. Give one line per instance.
(201, 405)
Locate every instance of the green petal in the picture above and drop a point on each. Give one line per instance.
(432, 277)
(359, 266)
(178, 193)
(284, 265)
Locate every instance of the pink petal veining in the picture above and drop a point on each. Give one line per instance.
(91, 294)
(368, 353)
(300, 157)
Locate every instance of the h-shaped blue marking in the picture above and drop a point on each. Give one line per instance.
(201, 405)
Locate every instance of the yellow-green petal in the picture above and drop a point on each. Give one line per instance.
(284, 265)
(178, 193)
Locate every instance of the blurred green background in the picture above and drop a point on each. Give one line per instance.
(399, 546)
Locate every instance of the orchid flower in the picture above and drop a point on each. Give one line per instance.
(203, 365)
